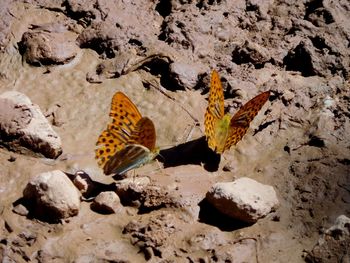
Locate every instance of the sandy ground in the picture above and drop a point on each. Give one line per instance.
(299, 143)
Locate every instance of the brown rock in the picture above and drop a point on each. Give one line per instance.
(41, 47)
(244, 199)
(23, 127)
(250, 52)
(53, 196)
(107, 202)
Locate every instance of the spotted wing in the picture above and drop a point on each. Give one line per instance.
(241, 120)
(144, 134)
(125, 117)
(215, 109)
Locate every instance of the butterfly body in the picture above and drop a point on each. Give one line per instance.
(221, 130)
(129, 141)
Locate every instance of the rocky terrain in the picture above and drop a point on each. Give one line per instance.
(61, 62)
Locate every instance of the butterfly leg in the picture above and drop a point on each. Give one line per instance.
(159, 166)
(133, 176)
(189, 136)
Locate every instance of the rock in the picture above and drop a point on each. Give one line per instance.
(140, 182)
(44, 46)
(20, 209)
(124, 62)
(153, 235)
(321, 14)
(53, 196)
(341, 228)
(83, 182)
(107, 203)
(244, 199)
(185, 75)
(333, 246)
(155, 197)
(129, 190)
(250, 53)
(87, 11)
(259, 6)
(27, 237)
(112, 68)
(6, 20)
(320, 59)
(139, 193)
(243, 251)
(107, 40)
(23, 127)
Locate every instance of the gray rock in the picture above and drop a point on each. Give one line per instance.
(107, 202)
(24, 129)
(53, 196)
(244, 199)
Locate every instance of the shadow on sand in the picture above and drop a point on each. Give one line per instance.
(211, 216)
(192, 152)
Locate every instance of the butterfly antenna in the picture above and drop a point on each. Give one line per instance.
(160, 89)
(65, 157)
(189, 136)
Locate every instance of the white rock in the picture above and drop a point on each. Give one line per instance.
(83, 182)
(341, 227)
(244, 199)
(54, 196)
(20, 209)
(107, 202)
(25, 127)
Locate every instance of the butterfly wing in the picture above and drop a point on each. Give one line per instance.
(128, 158)
(125, 117)
(140, 149)
(241, 120)
(215, 109)
(144, 134)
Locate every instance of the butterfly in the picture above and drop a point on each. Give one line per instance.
(221, 130)
(129, 140)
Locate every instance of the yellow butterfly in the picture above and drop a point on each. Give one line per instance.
(129, 140)
(221, 130)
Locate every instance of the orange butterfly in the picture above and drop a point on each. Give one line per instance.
(221, 130)
(129, 141)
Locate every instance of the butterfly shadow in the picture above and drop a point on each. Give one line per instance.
(192, 152)
(211, 216)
